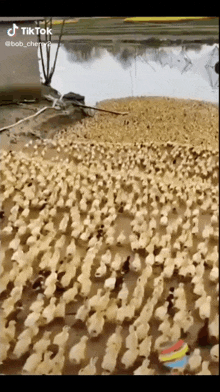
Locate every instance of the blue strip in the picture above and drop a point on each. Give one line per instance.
(177, 364)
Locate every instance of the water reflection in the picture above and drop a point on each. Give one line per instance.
(115, 70)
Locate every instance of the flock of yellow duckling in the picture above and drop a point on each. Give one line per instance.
(109, 251)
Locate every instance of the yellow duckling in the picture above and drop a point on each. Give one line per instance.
(31, 363)
(61, 338)
(95, 323)
(214, 353)
(78, 351)
(71, 293)
(90, 369)
(205, 308)
(214, 327)
(49, 312)
(41, 345)
(205, 369)
(144, 370)
(129, 357)
(195, 360)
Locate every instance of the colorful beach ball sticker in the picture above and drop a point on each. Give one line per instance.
(174, 357)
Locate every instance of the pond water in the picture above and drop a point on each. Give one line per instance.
(118, 70)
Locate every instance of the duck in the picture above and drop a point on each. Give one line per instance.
(195, 360)
(22, 346)
(123, 293)
(37, 305)
(83, 311)
(121, 239)
(131, 341)
(213, 327)
(78, 351)
(49, 311)
(101, 270)
(117, 262)
(41, 345)
(205, 369)
(111, 311)
(143, 369)
(135, 263)
(214, 353)
(161, 312)
(205, 308)
(61, 338)
(109, 360)
(90, 369)
(95, 323)
(70, 294)
(110, 282)
(106, 258)
(214, 274)
(129, 357)
(31, 363)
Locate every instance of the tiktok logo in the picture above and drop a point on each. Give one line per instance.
(11, 32)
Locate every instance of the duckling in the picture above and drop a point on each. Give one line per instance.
(145, 346)
(101, 270)
(32, 318)
(85, 283)
(121, 239)
(106, 258)
(37, 305)
(150, 259)
(60, 309)
(214, 353)
(110, 282)
(49, 311)
(69, 295)
(78, 351)
(111, 311)
(195, 360)
(123, 293)
(22, 346)
(61, 338)
(5, 346)
(214, 274)
(205, 308)
(129, 357)
(144, 370)
(131, 341)
(31, 363)
(90, 369)
(10, 331)
(135, 263)
(160, 312)
(205, 370)
(214, 327)
(41, 345)
(95, 323)
(117, 262)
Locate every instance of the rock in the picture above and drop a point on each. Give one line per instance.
(74, 97)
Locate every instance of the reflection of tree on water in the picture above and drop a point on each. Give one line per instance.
(212, 67)
(83, 51)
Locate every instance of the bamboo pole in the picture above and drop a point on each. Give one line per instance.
(26, 118)
(55, 60)
(101, 110)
